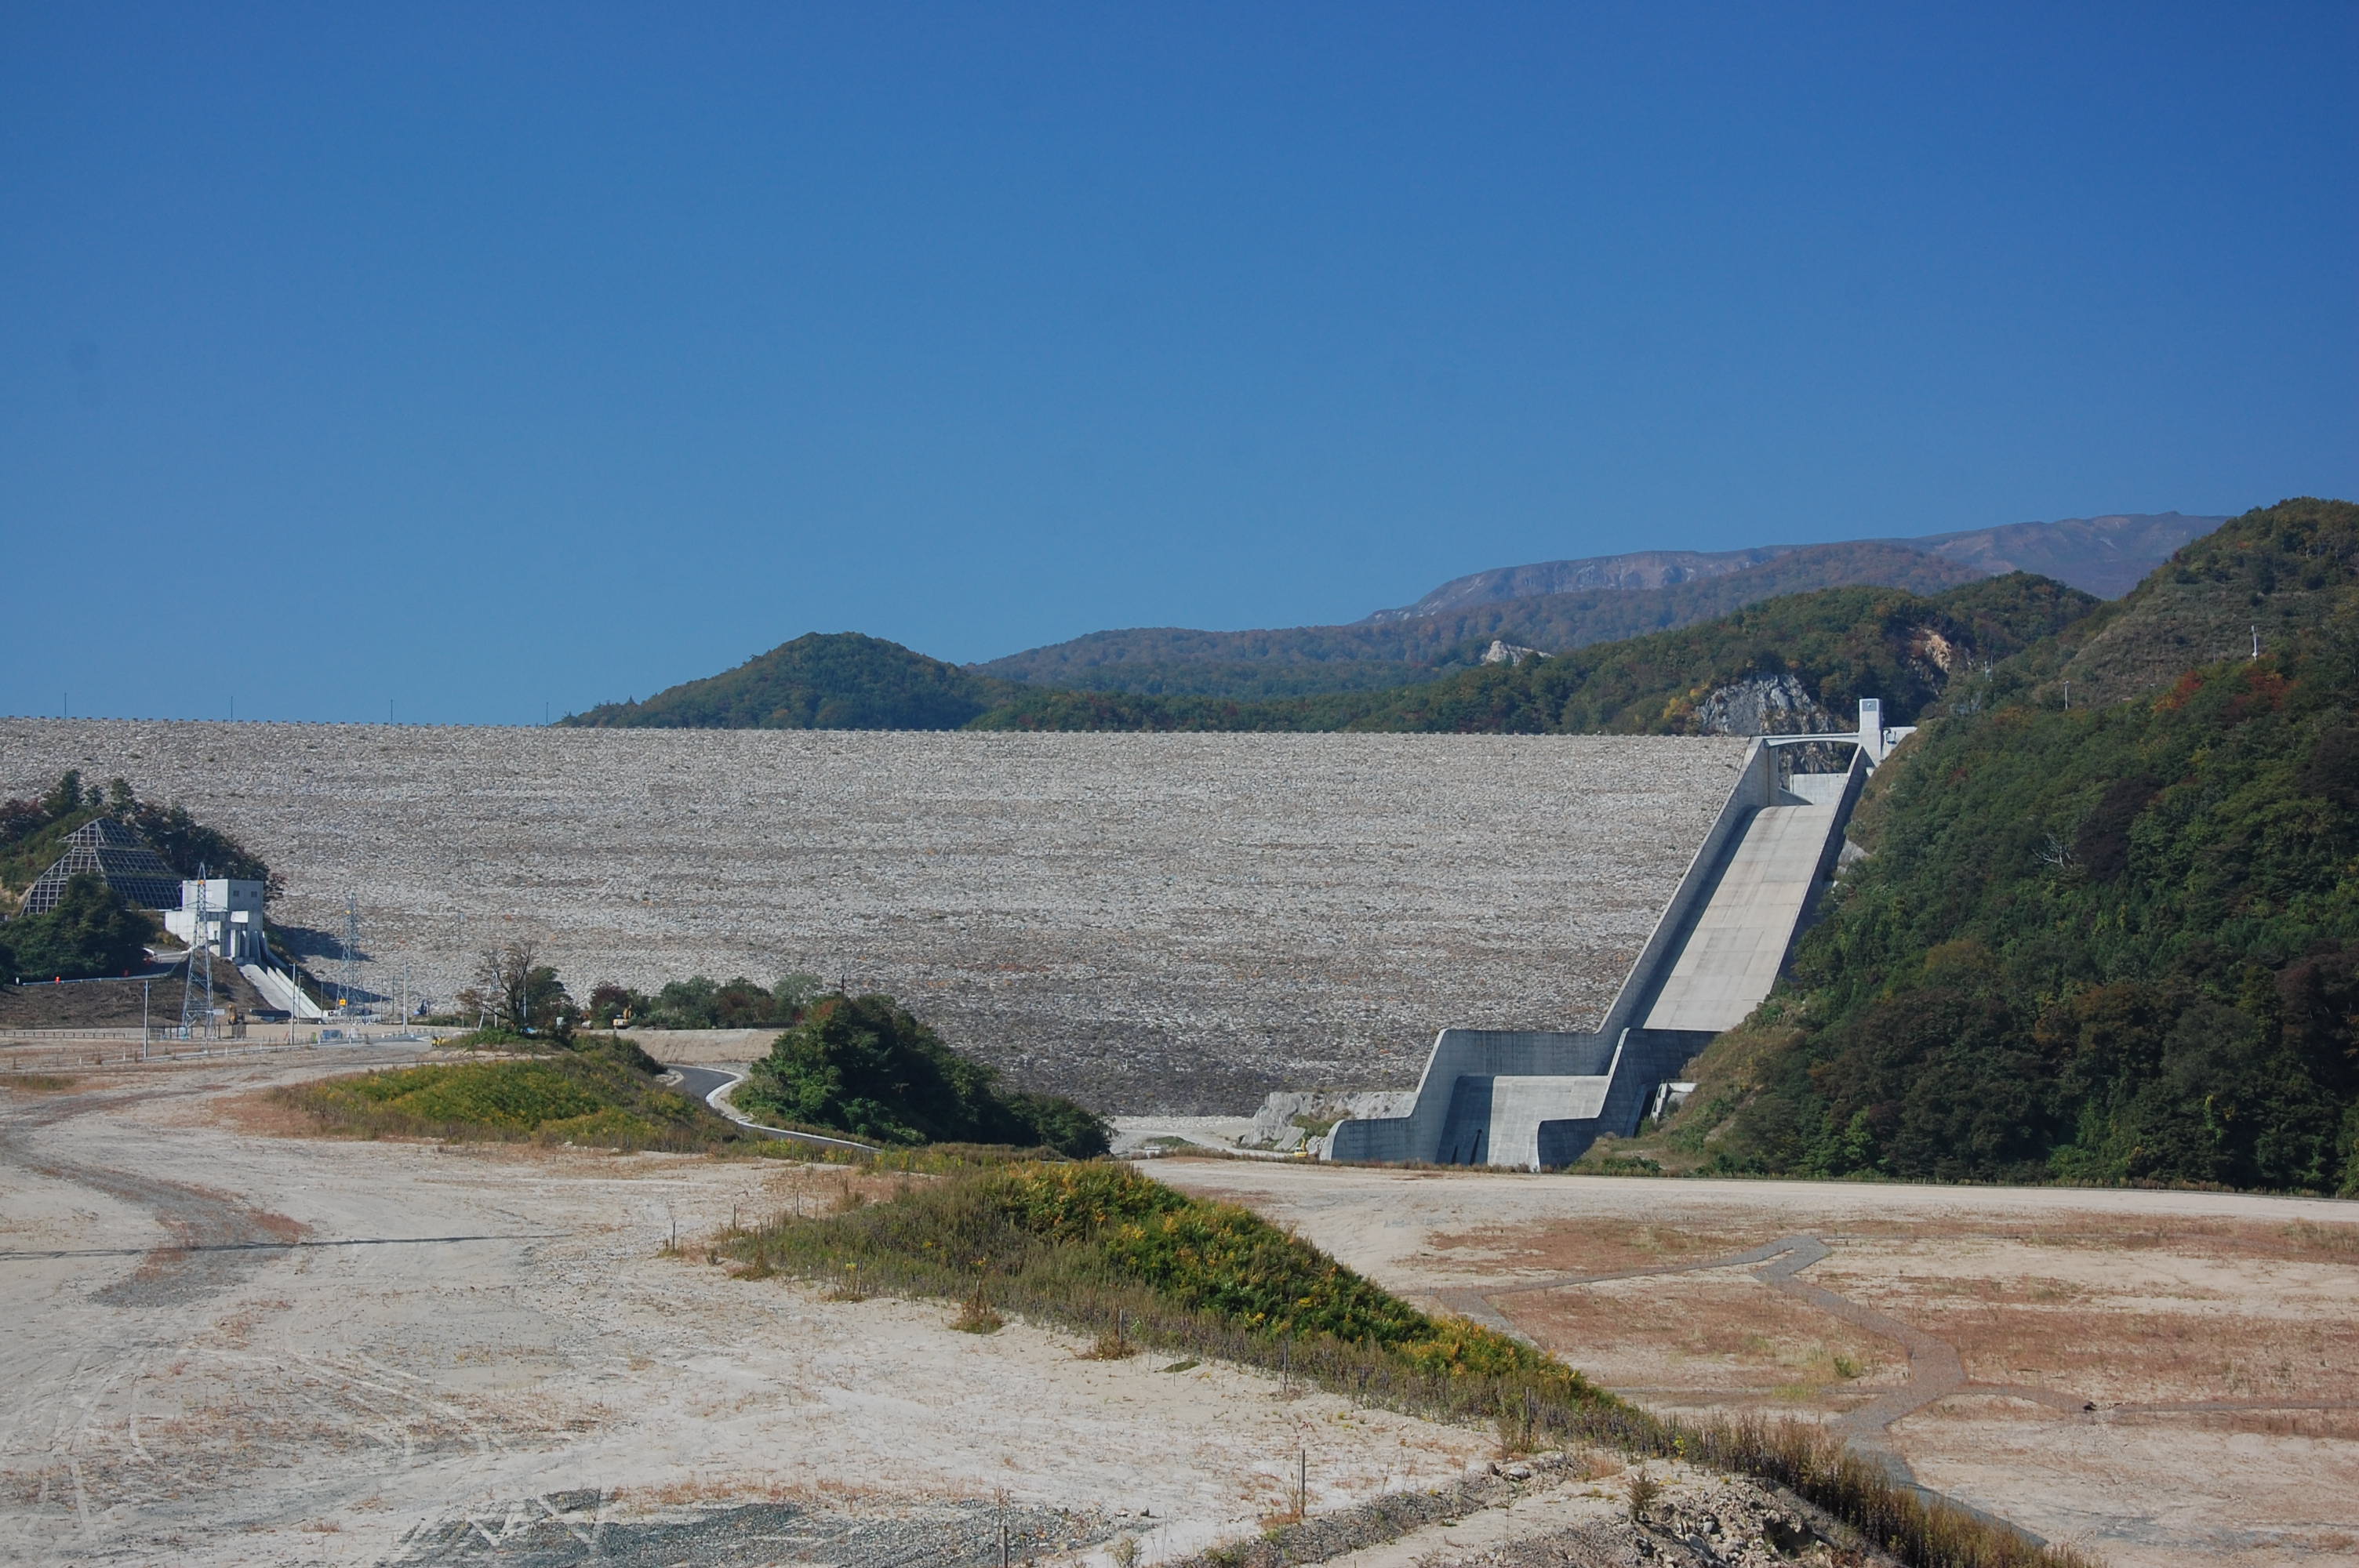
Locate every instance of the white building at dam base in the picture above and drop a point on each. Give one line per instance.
(224, 914)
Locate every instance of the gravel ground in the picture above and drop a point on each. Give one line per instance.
(1171, 924)
(226, 1346)
(2170, 1379)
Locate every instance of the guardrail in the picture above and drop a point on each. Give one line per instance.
(19, 1055)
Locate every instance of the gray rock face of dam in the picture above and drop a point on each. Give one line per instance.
(1151, 923)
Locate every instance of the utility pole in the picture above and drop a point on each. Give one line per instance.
(143, 1020)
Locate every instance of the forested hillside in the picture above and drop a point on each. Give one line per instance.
(2117, 942)
(1823, 649)
(1806, 658)
(1302, 661)
(852, 682)
(818, 681)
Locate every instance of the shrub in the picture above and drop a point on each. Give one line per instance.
(602, 1092)
(90, 933)
(866, 1067)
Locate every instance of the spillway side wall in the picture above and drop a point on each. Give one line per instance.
(1467, 1052)
(1756, 786)
(1461, 1051)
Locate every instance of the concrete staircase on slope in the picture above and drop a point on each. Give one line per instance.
(1538, 1099)
(280, 992)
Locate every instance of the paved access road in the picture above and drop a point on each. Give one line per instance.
(707, 1084)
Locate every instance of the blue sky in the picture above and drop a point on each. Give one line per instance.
(486, 356)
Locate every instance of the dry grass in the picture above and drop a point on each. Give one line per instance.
(749, 1485)
(1594, 1246)
(1594, 1465)
(1725, 1326)
(1111, 1345)
(1605, 1246)
(41, 1083)
(2307, 1240)
(2301, 1241)
(262, 1113)
(975, 1315)
(2124, 1355)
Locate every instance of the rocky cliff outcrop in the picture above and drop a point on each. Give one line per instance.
(1767, 705)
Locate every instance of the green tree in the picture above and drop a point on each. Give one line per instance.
(864, 1066)
(90, 933)
(2117, 942)
(189, 844)
(522, 993)
(65, 796)
(686, 1004)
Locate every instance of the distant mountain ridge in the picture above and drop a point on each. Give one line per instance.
(2104, 556)
(1788, 665)
(1638, 570)
(1371, 655)
(1118, 678)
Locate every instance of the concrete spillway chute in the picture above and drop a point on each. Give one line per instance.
(1538, 1098)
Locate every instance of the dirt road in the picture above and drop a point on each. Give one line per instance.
(227, 1347)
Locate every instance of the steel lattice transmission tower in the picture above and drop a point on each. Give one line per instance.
(197, 982)
(348, 974)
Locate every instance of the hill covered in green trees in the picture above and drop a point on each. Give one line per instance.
(820, 681)
(865, 1066)
(848, 681)
(2114, 942)
(1823, 651)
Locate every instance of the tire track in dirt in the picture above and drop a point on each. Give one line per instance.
(218, 1240)
(217, 1243)
(1935, 1369)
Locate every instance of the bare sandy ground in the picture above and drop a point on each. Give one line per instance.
(705, 1047)
(225, 1347)
(1168, 923)
(230, 1345)
(2170, 1379)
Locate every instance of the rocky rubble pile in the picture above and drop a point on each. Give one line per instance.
(1149, 923)
(1294, 1118)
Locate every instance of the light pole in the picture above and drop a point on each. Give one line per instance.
(143, 1020)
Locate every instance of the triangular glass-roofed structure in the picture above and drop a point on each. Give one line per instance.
(116, 853)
